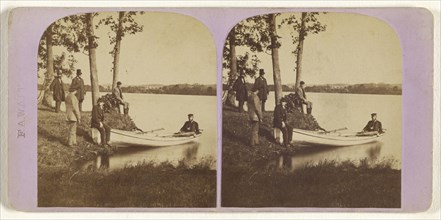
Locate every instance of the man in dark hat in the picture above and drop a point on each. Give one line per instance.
(190, 125)
(78, 85)
(240, 90)
(117, 92)
(301, 95)
(281, 122)
(373, 125)
(262, 87)
(254, 116)
(57, 91)
(98, 122)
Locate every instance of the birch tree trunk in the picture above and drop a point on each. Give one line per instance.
(233, 67)
(300, 50)
(278, 91)
(47, 97)
(117, 49)
(92, 59)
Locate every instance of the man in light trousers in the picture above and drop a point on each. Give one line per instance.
(255, 116)
(73, 116)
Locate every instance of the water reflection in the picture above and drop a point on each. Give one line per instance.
(374, 152)
(104, 161)
(131, 156)
(286, 161)
(314, 154)
(190, 154)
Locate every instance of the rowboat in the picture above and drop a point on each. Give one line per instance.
(334, 138)
(122, 138)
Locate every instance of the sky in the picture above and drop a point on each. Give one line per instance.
(353, 49)
(172, 49)
(176, 48)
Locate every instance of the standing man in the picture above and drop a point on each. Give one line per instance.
(281, 122)
(240, 89)
(98, 122)
(373, 125)
(78, 85)
(190, 125)
(117, 92)
(57, 91)
(255, 116)
(262, 86)
(73, 116)
(301, 95)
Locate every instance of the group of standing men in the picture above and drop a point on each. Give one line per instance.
(256, 105)
(76, 86)
(260, 87)
(74, 101)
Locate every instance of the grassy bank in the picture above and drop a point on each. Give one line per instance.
(249, 179)
(145, 185)
(62, 183)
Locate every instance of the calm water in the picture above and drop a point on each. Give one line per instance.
(334, 111)
(153, 111)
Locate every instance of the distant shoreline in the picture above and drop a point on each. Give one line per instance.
(211, 90)
(366, 88)
(177, 89)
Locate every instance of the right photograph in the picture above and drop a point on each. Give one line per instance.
(312, 112)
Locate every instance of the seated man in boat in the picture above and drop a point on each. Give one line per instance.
(98, 122)
(280, 121)
(190, 126)
(373, 126)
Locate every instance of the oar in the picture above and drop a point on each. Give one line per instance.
(159, 129)
(335, 130)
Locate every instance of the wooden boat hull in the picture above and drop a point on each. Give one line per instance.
(122, 138)
(332, 139)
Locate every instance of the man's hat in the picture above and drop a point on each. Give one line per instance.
(190, 115)
(373, 114)
(302, 83)
(99, 101)
(261, 72)
(283, 100)
(79, 72)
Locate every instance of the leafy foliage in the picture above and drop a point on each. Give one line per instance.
(308, 23)
(124, 25)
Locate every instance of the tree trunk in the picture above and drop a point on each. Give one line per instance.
(117, 49)
(233, 68)
(300, 50)
(92, 59)
(47, 97)
(278, 91)
(233, 58)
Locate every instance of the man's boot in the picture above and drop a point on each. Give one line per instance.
(126, 111)
(308, 111)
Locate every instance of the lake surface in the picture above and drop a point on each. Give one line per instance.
(154, 111)
(333, 111)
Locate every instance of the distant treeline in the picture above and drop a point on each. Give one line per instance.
(181, 89)
(371, 88)
(178, 89)
(368, 88)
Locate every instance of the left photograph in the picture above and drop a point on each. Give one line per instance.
(127, 111)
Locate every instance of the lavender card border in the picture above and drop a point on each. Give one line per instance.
(414, 27)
